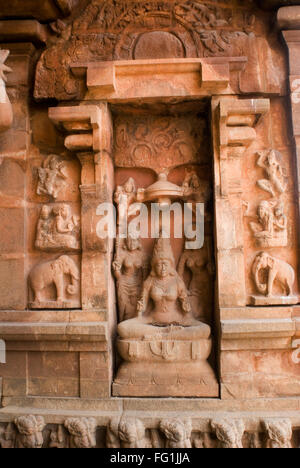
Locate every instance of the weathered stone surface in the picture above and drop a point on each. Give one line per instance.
(148, 339)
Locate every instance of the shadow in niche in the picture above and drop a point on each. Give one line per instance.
(173, 139)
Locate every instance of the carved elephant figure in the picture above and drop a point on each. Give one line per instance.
(277, 270)
(53, 272)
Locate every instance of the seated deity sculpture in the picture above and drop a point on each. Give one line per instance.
(171, 313)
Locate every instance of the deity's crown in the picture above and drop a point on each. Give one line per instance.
(163, 250)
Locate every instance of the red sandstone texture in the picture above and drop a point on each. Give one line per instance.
(145, 342)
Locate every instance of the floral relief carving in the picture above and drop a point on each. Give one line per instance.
(140, 141)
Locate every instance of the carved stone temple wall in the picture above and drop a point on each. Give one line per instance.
(108, 107)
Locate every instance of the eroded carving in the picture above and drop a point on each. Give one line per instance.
(199, 264)
(58, 229)
(55, 272)
(229, 433)
(126, 433)
(144, 30)
(8, 436)
(59, 438)
(30, 433)
(6, 111)
(275, 181)
(130, 268)
(177, 432)
(52, 178)
(279, 433)
(82, 432)
(271, 228)
(163, 332)
(125, 195)
(267, 271)
(140, 141)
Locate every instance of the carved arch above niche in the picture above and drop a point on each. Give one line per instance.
(166, 29)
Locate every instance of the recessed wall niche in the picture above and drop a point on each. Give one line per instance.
(162, 156)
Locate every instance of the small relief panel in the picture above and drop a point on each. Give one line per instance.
(58, 228)
(52, 177)
(55, 284)
(267, 271)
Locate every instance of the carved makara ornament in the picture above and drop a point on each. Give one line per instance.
(6, 111)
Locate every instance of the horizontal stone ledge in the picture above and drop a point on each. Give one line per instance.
(257, 328)
(150, 405)
(250, 313)
(201, 420)
(52, 316)
(82, 331)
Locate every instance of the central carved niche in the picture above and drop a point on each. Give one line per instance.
(164, 285)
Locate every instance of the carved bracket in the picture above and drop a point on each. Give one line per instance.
(87, 127)
(237, 120)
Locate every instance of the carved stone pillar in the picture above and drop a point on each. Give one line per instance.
(93, 148)
(234, 123)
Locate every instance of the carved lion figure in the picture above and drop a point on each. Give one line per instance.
(178, 433)
(229, 433)
(279, 433)
(30, 431)
(126, 433)
(82, 431)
